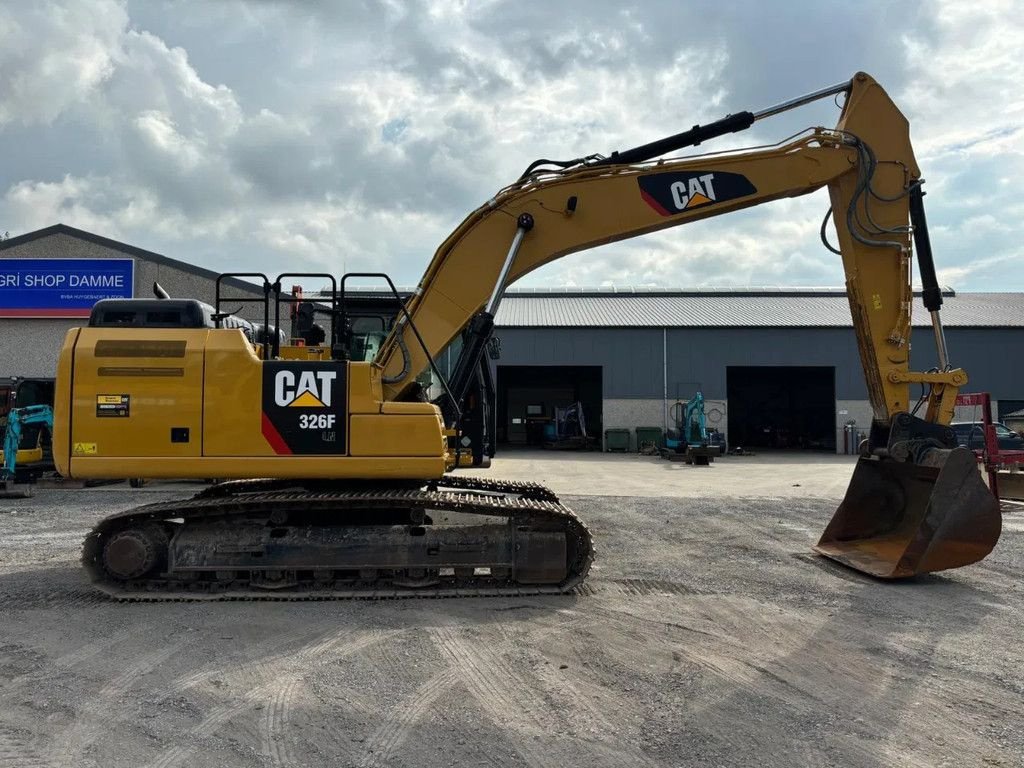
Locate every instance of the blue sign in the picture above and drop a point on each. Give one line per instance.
(62, 287)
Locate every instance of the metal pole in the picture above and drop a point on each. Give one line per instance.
(799, 101)
(523, 225)
(664, 375)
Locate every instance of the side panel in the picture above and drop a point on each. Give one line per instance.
(304, 407)
(394, 435)
(122, 391)
(232, 398)
(137, 392)
(274, 408)
(62, 404)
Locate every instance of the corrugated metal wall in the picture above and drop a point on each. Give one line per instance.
(633, 363)
(631, 357)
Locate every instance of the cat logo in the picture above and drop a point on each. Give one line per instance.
(304, 389)
(675, 192)
(697, 190)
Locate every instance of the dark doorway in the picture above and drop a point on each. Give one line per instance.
(782, 407)
(529, 394)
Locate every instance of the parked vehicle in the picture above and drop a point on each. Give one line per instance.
(971, 434)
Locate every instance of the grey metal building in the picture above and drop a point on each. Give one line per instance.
(778, 367)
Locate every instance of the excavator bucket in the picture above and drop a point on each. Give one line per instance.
(900, 519)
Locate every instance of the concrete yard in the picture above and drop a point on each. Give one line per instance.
(708, 634)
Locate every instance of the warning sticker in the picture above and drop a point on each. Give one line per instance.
(112, 405)
(84, 449)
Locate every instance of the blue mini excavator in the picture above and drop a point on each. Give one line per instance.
(20, 464)
(691, 441)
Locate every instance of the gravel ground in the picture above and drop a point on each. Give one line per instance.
(707, 635)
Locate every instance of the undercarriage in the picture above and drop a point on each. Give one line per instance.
(293, 540)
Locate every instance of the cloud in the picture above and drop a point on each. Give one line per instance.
(54, 55)
(289, 135)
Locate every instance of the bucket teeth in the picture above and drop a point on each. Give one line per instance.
(900, 519)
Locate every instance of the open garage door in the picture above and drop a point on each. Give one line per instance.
(528, 395)
(782, 407)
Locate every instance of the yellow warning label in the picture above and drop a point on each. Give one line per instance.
(108, 399)
(306, 400)
(84, 449)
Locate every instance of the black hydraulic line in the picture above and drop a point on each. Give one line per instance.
(931, 294)
(475, 339)
(544, 161)
(691, 138)
(490, 403)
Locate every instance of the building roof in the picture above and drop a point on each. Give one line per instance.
(128, 250)
(750, 307)
(736, 308)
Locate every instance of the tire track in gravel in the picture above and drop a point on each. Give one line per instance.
(584, 715)
(16, 750)
(269, 650)
(110, 720)
(396, 728)
(260, 692)
(70, 661)
(576, 697)
(744, 677)
(274, 741)
(513, 704)
(93, 719)
(271, 692)
(59, 596)
(477, 672)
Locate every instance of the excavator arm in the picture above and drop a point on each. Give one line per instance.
(916, 502)
(549, 214)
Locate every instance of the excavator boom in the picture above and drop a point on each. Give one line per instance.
(357, 499)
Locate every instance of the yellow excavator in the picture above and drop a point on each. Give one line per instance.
(338, 468)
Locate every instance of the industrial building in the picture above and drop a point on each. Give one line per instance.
(779, 368)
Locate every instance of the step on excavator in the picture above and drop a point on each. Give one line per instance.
(339, 469)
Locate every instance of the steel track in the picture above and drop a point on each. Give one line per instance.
(243, 501)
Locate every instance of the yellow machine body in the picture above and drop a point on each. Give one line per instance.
(26, 456)
(172, 403)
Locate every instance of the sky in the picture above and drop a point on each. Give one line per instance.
(289, 135)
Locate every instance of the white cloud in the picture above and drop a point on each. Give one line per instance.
(281, 135)
(54, 55)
